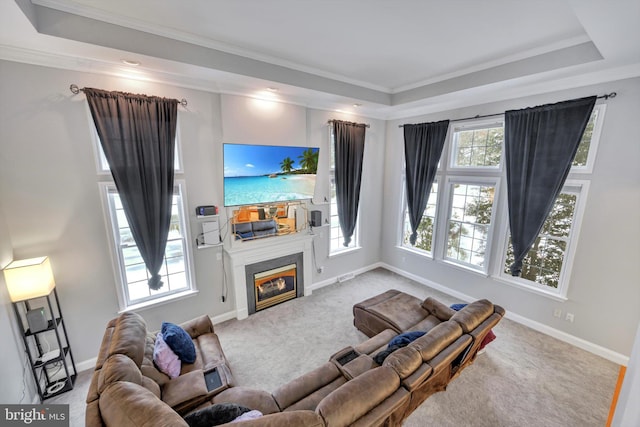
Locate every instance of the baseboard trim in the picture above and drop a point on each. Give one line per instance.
(334, 279)
(223, 317)
(86, 365)
(596, 349)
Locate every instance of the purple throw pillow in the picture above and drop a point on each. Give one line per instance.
(165, 359)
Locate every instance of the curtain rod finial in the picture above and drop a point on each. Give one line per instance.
(74, 89)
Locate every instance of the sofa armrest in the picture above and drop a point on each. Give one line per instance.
(198, 326)
(251, 398)
(186, 391)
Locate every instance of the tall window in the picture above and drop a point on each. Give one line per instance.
(462, 231)
(336, 239)
(132, 272)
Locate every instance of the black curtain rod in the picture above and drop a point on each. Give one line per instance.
(607, 96)
(353, 123)
(76, 90)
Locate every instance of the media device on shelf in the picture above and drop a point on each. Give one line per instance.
(258, 174)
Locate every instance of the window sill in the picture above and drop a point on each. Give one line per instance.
(419, 252)
(530, 288)
(464, 267)
(344, 252)
(159, 301)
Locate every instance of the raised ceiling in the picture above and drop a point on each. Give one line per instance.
(394, 58)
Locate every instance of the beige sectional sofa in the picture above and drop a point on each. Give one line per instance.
(351, 389)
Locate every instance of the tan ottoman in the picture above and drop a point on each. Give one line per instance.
(390, 310)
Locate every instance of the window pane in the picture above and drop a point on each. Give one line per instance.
(585, 143)
(174, 270)
(424, 240)
(478, 147)
(469, 221)
(543, 263)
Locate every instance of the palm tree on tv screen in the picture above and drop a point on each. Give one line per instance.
(286, 164)
(309, 160)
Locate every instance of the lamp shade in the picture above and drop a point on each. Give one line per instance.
(29, 278)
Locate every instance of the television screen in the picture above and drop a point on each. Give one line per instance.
(255, 174)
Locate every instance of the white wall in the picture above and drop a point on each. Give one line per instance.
(604, 289)
(12, 357)
(52, 203)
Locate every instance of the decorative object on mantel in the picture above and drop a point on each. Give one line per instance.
(28, 280)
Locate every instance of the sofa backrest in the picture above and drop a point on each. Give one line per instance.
(121, 355)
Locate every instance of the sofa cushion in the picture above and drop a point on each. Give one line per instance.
(473, 314)
(358, 396)
(404, 361)
(179, 341)
(165, 359)
(438, 338)
(128, 337)
(438, 309)
(118, 368)
(309, 389)
(401, 311)
(126, 404)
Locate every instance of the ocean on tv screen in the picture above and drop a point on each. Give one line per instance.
(247, 190)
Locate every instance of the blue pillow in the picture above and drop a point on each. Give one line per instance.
(405, 338)
(458, 307)
(179, 341)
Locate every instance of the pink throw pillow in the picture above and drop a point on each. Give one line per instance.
(165, 359)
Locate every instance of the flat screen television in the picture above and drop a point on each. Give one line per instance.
(259, 174)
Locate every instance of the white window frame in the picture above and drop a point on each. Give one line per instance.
(469, 125)
(600, 110)
(106, 188)
(336, 232)
(444, 236)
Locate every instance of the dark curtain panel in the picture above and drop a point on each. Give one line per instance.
(423, 145)
(349, 151)
(137, 134)
(540, 144)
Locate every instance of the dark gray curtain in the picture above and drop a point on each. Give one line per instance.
(423, 145)
(349, 151)
(137, 134)
(540, 144)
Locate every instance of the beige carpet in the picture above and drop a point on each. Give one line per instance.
(524, 379)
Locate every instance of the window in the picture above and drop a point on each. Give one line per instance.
(462, 232)
(469, 223)
(424, 241)
(336, 240)
(132, 272)
(543, 263)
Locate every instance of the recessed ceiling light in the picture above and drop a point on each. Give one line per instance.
(357, 105)
(130, 62)
(273, 89)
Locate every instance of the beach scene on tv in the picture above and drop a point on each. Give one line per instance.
(255, 174)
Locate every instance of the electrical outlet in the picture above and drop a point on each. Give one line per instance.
(569, 317)
(320, 270)
(557, 312)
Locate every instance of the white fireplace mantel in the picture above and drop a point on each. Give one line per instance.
(241, 254)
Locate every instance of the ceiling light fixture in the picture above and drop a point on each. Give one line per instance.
(130, 62)
(357, 105)
(273, 89)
